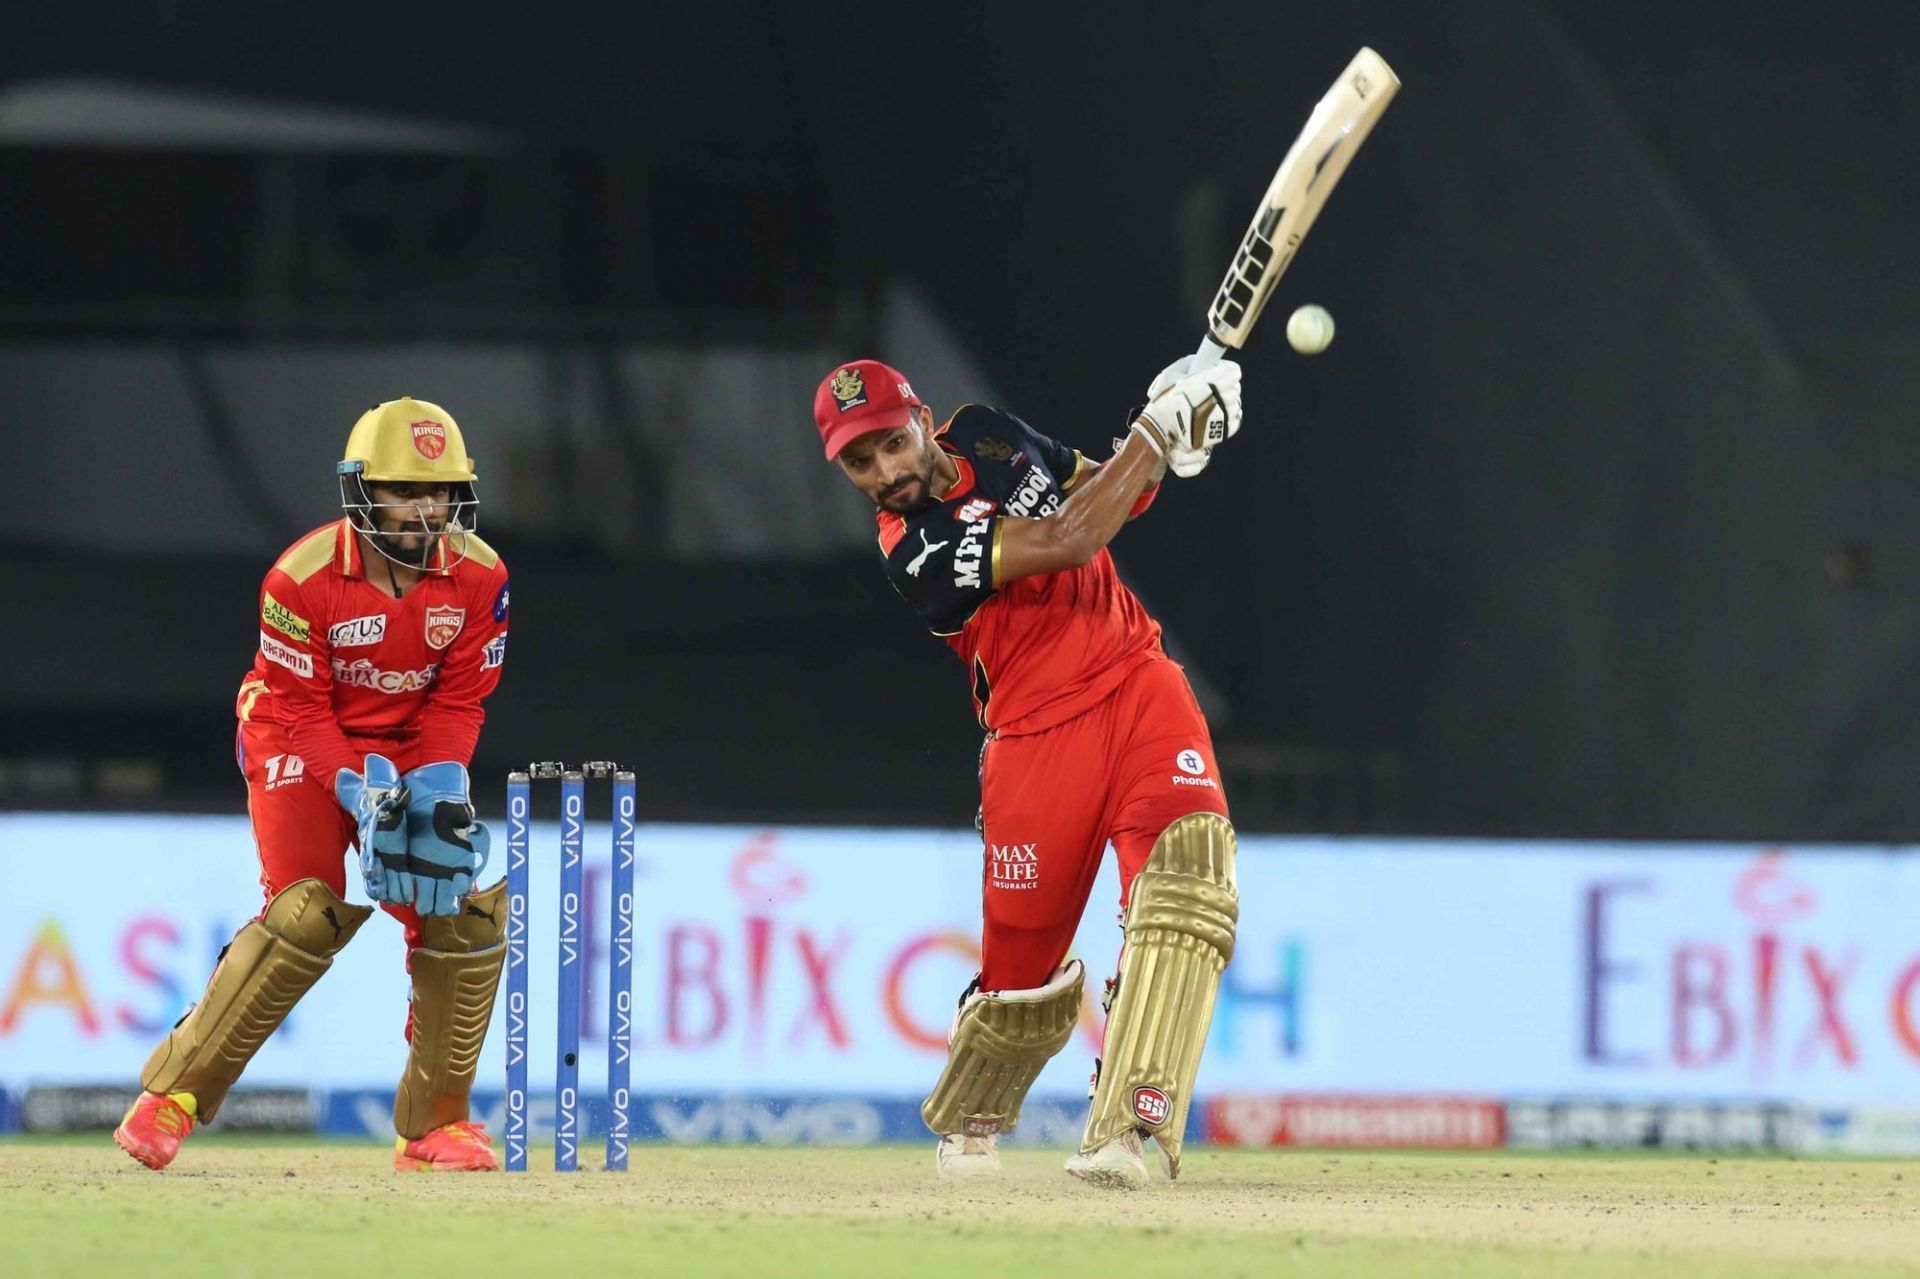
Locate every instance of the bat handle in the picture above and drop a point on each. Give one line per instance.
(1209, 354)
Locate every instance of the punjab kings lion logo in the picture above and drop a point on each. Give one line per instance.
(849, 389)
(443, 624)
(429, 439)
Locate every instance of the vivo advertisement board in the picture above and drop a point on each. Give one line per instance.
(826, 962)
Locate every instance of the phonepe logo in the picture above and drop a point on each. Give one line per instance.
(1193, 769)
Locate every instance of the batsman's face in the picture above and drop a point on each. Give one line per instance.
(409, 518)
(895, 468)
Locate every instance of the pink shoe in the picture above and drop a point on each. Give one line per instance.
(462, 1146)
(155, 1126)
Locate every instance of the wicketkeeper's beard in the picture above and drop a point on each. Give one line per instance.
(400, 544)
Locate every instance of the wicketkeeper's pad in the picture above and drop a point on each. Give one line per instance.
(261, 975)
(456, 970)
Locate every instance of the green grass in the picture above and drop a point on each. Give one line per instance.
(252, 1206)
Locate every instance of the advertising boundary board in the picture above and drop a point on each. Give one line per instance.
(790, 962)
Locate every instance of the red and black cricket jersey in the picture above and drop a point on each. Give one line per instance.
(1040, 649)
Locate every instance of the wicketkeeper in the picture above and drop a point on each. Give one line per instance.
(997, 535)
(381, 634)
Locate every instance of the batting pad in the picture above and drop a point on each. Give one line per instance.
(1180, 925)
(1000, 1041)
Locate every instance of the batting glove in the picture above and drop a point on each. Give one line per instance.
(1192, 414)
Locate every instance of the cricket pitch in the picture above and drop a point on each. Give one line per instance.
(236, 1206)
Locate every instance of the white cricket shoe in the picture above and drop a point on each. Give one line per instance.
(1117, 1165)
(959, 1157)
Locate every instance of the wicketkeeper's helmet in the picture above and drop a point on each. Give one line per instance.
(409, 441)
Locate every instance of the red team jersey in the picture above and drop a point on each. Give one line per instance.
(344, 668)
(1040, 649)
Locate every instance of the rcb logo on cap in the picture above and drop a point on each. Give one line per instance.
(849, 389)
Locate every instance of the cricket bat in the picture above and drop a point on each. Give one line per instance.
(1301, 185)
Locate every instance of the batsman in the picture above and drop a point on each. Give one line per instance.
(381, 635)
(997, 535)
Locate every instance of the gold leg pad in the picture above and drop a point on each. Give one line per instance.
(452, 1008)
(265, 969)
(480, 925)
(1181, 918)
(999, 1042)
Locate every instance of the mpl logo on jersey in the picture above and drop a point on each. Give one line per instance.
(358, 631)
(285, 770)
(443, 624)
(429, 439)
(967, 561)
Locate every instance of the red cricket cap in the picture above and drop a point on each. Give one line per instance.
(861, 396)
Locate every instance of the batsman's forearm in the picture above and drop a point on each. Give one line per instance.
(1101, 503)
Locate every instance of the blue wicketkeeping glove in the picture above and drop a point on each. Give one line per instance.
(446, 848)
(378, 802)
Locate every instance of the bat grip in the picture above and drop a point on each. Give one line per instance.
(1209, 354)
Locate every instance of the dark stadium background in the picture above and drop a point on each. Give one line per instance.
(1596, 520)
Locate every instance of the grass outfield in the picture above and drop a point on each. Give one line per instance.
(251, 1207)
